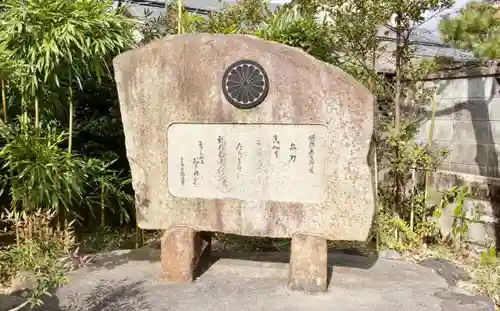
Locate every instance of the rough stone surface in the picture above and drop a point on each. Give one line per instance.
(8, 302)
(447, 269)
(454, 301)
(23, 281)
(389, 254)
(177, 81)
(181, 249)
(128, 280)
(308, 269)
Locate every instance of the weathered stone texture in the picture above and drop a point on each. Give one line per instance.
(181, 250)
(178, 80)
(308, 269)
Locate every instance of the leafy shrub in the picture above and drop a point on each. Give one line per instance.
(37, 261)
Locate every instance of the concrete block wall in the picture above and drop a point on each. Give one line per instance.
(482, 207)
(468, 123)
(480, 233)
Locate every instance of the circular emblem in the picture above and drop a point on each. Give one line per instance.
(245, 84)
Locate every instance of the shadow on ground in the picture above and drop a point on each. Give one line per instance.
(103, 297)
(110, 260)
(336, 258)
(117, 296)
(9, 302)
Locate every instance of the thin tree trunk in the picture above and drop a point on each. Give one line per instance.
(412, 211)
(103, 217)
(375, 159)
(429, 144)
(397, 99)
(70, 131)
(18, 231)
(139, 236)
(377, 211)
(179, 17)
(37, 114)
(4, 102)
(24, 110)
(397, 114)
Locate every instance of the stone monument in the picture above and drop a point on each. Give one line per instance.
(234, 134)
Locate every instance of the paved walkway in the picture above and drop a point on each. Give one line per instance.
(128, 281)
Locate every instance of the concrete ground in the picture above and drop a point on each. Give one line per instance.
(129, 281)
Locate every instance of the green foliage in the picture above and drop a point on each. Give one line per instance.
(476, 28)
(410, 154)
(106, 239)
(254, 244)
(290, 27)
(406, 222)
(489, 257)
(41, 259)
(287, 26)
(355, 26)
(10, 69)
(57, 43)
(487, 275)
(414, 223)
(49, 47)
(460, 226)
(37, 262)
(412, 12)
(46, 45)
(152, 28)
(107, 189)
(39, 173)
(55, 38)
(345, 36)
(244, 17)
(42, 176)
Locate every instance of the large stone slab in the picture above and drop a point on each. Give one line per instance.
(295, 163)
(230, 133)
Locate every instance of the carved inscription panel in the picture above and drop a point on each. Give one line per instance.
(248, 161)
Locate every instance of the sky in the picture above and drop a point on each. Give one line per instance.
(432, 23)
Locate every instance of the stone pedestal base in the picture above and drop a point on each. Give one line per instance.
(181, 250)
(308, 264)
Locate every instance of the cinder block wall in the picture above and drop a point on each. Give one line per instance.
(468, 122)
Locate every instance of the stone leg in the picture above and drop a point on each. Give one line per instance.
(308, 264)
(181, 250)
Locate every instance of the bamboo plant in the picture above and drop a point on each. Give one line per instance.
(65, 42)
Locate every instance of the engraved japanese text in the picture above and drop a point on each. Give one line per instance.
(221, 161)
(312, 143)
(293, 151)
(239, 156)
(276, 146)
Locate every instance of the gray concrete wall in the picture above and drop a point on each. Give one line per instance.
(481, 208)
(468, 123)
